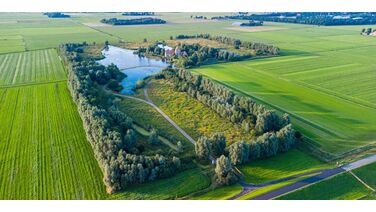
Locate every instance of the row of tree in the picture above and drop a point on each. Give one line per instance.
(109, 130)
(56, 15)
(237, 109)
(252, 23)
(314, 18)
(199, 17)
(136, 21)
(267, 145)
(264, 146)
(259, 48)
(138, 13)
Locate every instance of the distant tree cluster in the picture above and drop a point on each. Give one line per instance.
(259, 48)
(194, 54)
(199, 17)
(56, 15)
(237, 109)
(138, 14)
(109, 130)
(136, 21)
(252, 23)
(368, 31)
(314, 18)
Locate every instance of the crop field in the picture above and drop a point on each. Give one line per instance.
(44, 152)
(367, 174)
(281, 166)
(220, 193)
(30, 67)
(34, 31)
(11, 44)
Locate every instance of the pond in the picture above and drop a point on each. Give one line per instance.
(134, 66)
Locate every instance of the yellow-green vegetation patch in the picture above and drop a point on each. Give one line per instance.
(220, 193)
(147, 117)
(44, 153)
(31, 67)
(280, 166)
(343, 186)
(175, 187)
(191, 115)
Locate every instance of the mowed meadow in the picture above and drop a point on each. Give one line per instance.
(44, 153)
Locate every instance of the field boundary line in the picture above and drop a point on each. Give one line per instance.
(361, 181)
(31, 84)
(98, 30)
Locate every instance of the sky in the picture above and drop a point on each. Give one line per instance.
(186, 5)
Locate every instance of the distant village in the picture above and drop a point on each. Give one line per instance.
(170, 52)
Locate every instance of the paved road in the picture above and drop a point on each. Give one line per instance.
(323, 174)
(149, 102)
(359, 163)
(247, 187)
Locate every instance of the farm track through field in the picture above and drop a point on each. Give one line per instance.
(149, 102)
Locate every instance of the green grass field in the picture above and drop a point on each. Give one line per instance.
(324, 80)
(367, 174)
(269, 188)
(44, 152)
(30, 31)
(221, 193)
(281, 166)
(31, 67)
(175, 187)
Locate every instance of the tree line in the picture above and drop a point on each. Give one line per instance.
(237, 109)
(313, 18)
(252, 23)
(259, 48)
(138, 14)
(199, 17)
(136, 21)
(264, 146)
(110, 131)
(56, 15)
